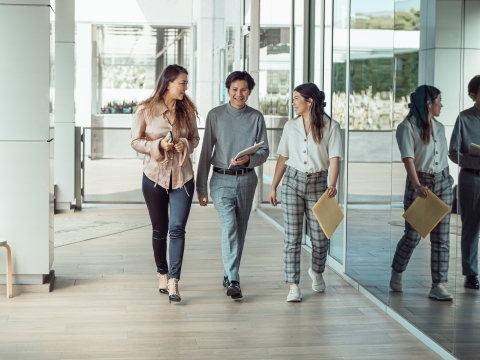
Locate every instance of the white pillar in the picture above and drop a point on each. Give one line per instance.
(65, 103)
(26, 191)
(254, 51)
(254, 70)
(471, 53)
(83, 80)
(204, 15)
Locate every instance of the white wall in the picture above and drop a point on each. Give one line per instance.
(449, 53)
(154, 12)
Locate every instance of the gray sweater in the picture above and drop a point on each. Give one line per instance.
(465, 132)
(227, 132)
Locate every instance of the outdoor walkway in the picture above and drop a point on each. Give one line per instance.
(106, 304)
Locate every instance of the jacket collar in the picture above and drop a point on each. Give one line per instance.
(162, 107)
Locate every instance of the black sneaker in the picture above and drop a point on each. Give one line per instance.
(471, 282)
(226, 282)
(234, 290)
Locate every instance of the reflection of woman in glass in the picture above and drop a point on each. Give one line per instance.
(466, 132)
(167, 169)
(423, 147)
(310, 144)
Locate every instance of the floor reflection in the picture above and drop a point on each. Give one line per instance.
(373, 236)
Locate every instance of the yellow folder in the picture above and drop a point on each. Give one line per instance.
(425, 214)
(328, 214)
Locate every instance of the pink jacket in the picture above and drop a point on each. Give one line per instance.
(157, 164)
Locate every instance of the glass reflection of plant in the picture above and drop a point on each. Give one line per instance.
(125, 76)
(275, 54)
(372, 93)
(404, 20)
(276, 101)
(407, 20)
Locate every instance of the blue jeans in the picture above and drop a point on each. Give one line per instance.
(158, 201)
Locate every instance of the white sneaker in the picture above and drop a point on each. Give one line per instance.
(318, 284)
(396, 281)
(440, 293)
(294, 295)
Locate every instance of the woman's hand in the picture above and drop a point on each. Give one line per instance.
(240, 161)
(203, 200)
(179, 146)
(421, 191)
(166, 145)
(273, 196)
(331, 191)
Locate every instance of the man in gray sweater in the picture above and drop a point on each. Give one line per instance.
(466, 132)
(229, 129)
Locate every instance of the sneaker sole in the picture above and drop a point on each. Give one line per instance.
(440, 299)
(395, 290)
(313, 286)
(295, 300)
(234, 293)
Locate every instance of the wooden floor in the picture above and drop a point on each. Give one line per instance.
(106, 305)
(370, 249)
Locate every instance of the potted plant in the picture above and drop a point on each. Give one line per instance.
(126, 107)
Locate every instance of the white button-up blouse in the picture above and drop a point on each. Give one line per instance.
(301, 150)
(431, 158)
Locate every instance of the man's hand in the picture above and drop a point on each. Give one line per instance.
(203, 200)
(240, 161)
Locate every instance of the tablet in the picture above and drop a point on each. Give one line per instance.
(249, 151)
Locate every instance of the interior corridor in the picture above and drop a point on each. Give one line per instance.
(105, 302)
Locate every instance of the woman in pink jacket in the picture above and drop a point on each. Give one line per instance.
(165, 130)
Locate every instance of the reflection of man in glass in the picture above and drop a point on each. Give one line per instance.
(465, 133)
(229, 129)
(424, 151)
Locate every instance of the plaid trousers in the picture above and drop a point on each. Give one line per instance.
(299, 193)
(441, 185)
(232, 196)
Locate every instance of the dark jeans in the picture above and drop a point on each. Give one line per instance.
(158, 200)
(469, 203)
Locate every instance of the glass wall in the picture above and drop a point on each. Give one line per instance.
(339, 103)
(299, 42)
(130, 59)
(393, 47)
(274, 83)
(370, 140)
(127, 61)
(369, 56)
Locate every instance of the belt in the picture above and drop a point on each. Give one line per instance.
(232, 171)
(307, 174)
(472, 171)
(425, 174)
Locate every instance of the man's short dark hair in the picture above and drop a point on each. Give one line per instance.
(240, 75)
(474, 85)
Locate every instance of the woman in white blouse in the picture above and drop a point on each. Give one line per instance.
(424, 151)
(310, 145)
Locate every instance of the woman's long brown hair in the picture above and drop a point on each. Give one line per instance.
(317, 109)
(184, 109)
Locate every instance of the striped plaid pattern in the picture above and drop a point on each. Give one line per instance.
(441, 185)
(233, 199)
(299, 193)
